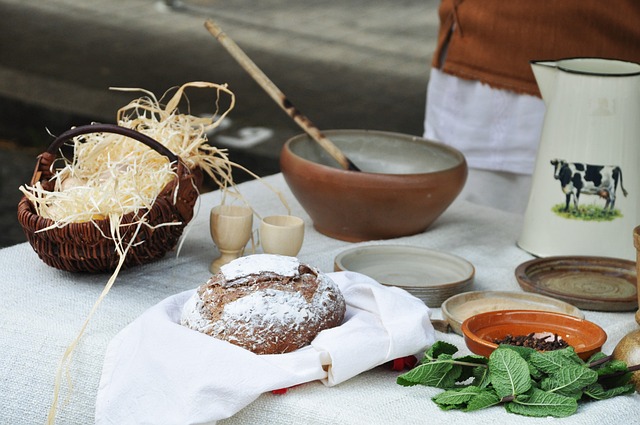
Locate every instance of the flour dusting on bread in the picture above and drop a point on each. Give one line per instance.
(268, 304)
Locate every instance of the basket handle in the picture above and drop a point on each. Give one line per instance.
(111, 128)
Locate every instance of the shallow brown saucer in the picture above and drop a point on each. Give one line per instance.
(590, 283)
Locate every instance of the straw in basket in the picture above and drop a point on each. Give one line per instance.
(83, 247)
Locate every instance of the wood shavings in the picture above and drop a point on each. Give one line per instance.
(112, 175)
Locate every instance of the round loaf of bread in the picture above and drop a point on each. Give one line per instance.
(268, 304)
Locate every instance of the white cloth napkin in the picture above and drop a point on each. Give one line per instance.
(159, 372)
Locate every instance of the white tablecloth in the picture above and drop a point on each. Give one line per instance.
(42, 310)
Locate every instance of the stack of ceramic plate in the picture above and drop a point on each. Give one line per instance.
(432, 276)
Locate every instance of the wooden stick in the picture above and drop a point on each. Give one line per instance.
(279, 97)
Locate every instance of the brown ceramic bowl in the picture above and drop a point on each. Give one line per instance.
(406, 183)
(480, 330)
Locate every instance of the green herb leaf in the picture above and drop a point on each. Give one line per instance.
(469, 367)
(481, 377)
(443, 371)
(509, 373)
(524, 352)
(571, 354)
(438, 348)
(612, 381)
(485, 398)
(611, 372)
(598, 392)
(539, 403)
(610, 367)
(551, 361)
(596, 356)
(440, 373)
(457, 397)
(450, 406)
(569, 380)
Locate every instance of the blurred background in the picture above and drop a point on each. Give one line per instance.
(344, 64)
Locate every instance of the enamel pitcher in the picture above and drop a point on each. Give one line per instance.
(585, 194)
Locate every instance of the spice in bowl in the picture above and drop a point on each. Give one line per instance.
(541, 341)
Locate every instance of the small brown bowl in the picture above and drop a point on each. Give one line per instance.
(406, 183)
(480, 330)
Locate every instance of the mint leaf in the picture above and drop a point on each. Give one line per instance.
(539, 403)
(472, 359)
(443, 371)
(469, 366)
(485, 398)
(612, 366)
(481, 377)
(613, 373)
(440, 373)
(598, 392)
(596, 357)
(457, 397)
(569, 380)
(450, 406)
(612, 381)
(524, 352)
(571, 354)
(438, 348)
(551, 361)
(509, 373)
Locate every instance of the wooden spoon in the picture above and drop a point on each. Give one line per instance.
(279, 97)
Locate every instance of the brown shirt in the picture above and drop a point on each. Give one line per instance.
(493, 41)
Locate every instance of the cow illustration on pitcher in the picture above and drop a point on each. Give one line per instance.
(578, 178)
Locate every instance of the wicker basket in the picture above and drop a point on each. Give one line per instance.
(82, 247)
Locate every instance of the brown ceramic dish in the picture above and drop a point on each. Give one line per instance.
(406, 183)
(589, 283)
(480, 330)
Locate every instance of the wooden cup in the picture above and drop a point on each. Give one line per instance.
(282, 234)
(230, 227)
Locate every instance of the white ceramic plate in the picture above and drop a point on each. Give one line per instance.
(462, 306)
(433, 276)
